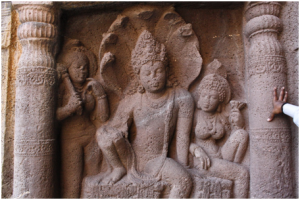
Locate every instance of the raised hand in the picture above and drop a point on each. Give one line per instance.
(278, 103)
(95, 88)
(75, 103)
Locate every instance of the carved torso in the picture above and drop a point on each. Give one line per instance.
(148, 131)
(77, 125)
(208, 129)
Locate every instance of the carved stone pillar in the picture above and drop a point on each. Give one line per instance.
(270, 157)
(34, 144)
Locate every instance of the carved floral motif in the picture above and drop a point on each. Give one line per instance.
(36, 76)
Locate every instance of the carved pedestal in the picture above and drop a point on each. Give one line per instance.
(123, 189)
(270, 160)
(35, 103)
(211, 188)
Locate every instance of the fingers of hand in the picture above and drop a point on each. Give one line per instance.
(204, 163)
(285, 96)
(275, 94)
(201, 164)
(282, 92)
(208, 162)
(270, 118)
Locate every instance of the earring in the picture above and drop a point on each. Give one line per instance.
(141, 89)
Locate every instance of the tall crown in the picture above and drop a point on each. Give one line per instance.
(147, 49)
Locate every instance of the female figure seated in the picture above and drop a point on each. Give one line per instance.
(81, 102)
(210, 126)
(148, 122)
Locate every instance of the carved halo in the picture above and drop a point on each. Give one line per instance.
(168, 28)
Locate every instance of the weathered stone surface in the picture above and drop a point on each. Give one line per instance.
(266, 65)
(290, 43)
(34, 144)
(5, 53)
(148, 100)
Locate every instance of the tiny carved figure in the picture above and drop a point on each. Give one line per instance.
(82, 103)
(210, 125)
(148, 122)
(235, 147)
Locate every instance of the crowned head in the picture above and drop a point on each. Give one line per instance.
(149, 61)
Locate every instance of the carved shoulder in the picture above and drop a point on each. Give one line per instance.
(185, 102)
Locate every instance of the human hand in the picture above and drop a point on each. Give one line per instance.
(94, 88)
(278, 103)
(75, 103)
(202, 158)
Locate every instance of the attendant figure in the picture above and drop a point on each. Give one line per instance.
(210, 125)
(82, 103)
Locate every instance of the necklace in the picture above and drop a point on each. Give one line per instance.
(157, 103)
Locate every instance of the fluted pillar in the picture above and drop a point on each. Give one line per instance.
(270, 154)
(34, 145)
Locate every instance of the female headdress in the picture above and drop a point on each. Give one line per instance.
(216, 81)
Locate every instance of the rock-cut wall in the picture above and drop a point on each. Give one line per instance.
(148, 100)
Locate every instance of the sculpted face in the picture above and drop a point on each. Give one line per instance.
(209, 100)
(153, 77)
(78, 71)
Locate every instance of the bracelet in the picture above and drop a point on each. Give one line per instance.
(282, 106)
(102, 97)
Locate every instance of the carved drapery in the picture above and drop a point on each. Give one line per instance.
(270, 161)
(34, 146)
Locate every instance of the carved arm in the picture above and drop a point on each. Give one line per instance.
(101, 110)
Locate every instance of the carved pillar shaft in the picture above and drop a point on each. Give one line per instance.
(270, 159)
(35, 103)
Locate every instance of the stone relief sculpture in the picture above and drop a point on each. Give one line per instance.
(211, 125)
(145, 124)
(146, 141)
(82, 106)
(168, 28)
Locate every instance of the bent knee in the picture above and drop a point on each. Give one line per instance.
(100, 134)
(102, 138)
(177, 174)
